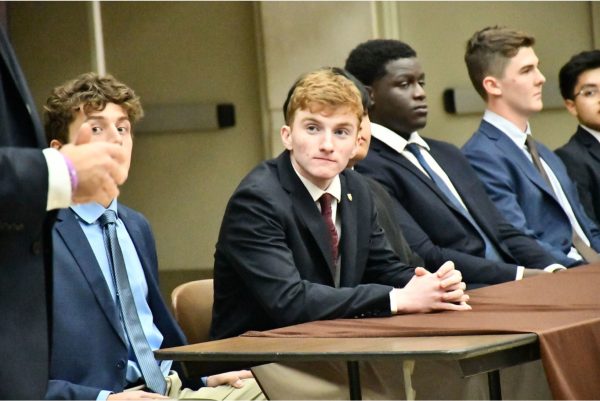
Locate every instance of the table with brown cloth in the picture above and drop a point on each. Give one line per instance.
(563, 309)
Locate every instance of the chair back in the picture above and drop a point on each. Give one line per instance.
(192, 304)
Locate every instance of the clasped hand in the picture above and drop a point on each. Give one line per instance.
(427, 292)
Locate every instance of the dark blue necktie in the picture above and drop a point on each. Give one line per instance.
(151, 372)
(490, 251)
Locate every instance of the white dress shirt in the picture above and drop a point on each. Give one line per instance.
(59, 181)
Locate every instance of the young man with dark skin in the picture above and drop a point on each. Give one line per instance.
(579, 81)
(455, 221)
(526, 181)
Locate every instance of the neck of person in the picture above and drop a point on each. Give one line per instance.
(514, 116)
(400, 131)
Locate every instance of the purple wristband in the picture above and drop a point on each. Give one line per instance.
(72, 173)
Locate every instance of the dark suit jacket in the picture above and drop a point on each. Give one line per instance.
(388, 216)
(436, 230)
(272, 263)
(24, 237)
(523, 196)
(581, 155)
(89, 350)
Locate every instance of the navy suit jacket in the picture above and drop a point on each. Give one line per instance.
(24, 237)
(581, 155)
(436, 230)
(523, 196)
(89, 348)
(273, 259)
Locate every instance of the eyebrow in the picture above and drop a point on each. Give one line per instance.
(99, 118)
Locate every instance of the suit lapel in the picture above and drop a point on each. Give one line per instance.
(304, 207)
(137, 237)
(512, 151)
(348, 245)
(390, 154)
(588, 141)
(75, 240)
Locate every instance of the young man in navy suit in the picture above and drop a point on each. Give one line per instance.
(92, 356)
(279, 261)
(528, 183)
(460, 224)
(579, 81)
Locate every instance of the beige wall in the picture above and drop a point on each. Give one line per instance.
(438, 31)
(168, 52)
(302, 36)
(249, 54)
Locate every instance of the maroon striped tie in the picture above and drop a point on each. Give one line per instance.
(325, 201)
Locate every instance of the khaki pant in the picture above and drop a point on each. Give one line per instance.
(250, 391)
(384, 380)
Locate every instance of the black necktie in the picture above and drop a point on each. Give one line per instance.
(589, 254)
(490, 250)
(151, 372)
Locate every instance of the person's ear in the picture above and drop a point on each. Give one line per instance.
(570, 105)
(56, 144)
(286, 136)
(369, 89)
(492, 86)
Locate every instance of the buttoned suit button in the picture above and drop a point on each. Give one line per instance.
(121, 364)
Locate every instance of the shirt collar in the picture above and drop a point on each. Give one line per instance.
(335, 188)
(90, 212)
(510, 129)
(395, 141)
(595, 134)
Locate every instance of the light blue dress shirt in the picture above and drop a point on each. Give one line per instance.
(87, 215)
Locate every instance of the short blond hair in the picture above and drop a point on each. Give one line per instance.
(325, 88)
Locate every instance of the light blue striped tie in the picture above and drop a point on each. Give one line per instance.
(151, 372)
(490, 250)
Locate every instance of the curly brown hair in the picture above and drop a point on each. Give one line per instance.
(92, 92)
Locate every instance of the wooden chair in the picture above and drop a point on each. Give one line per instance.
(192, 304)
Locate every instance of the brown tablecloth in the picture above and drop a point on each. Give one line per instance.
(562, 308)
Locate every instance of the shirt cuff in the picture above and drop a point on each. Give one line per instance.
(59, 180)
(554, 267)
(393, 306)
(520, 271)
(103, 395)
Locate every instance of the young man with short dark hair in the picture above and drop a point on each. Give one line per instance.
(579, 81)
(451, 218)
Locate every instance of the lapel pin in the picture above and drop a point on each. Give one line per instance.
(349, 197)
